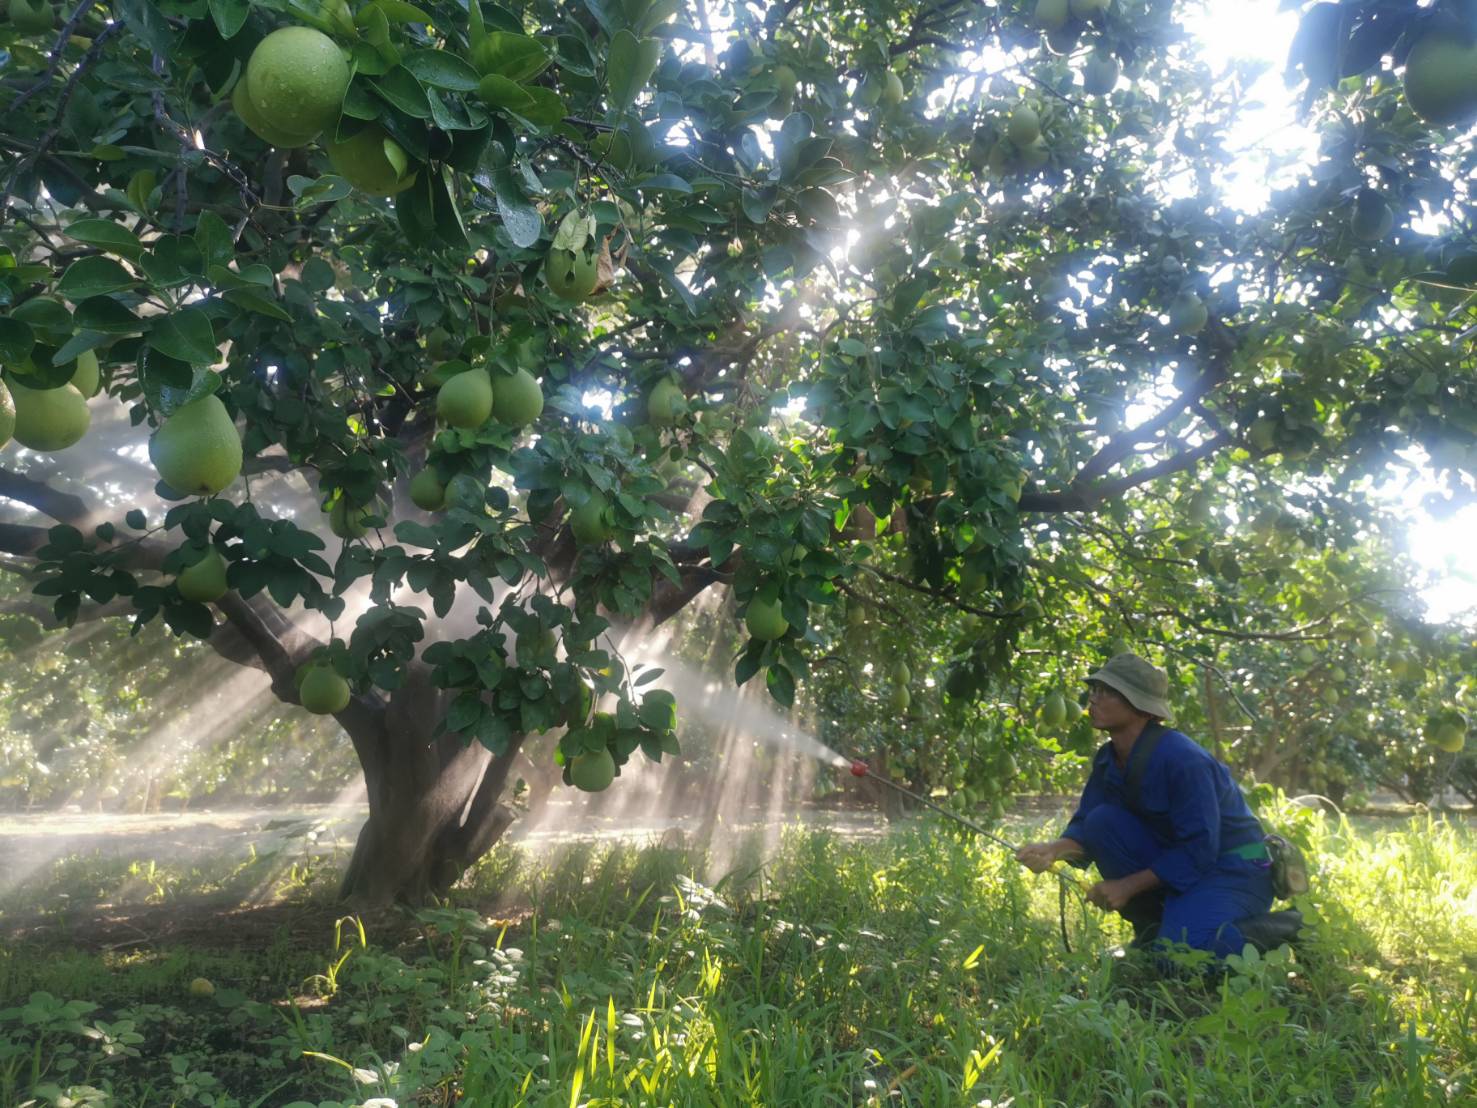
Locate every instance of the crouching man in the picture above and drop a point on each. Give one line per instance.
(1181, 855)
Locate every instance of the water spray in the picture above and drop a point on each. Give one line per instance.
(861, 769)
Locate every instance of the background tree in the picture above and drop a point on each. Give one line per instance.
(559, 319)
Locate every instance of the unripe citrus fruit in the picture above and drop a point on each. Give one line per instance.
(899, 699)
(1100, 74)
(205, 580)
(466, 400)
(197, 449)
(372, 162)
(572, 274)
(892, 89)
(1052, 15)
(87, 377)
(592, 772)
(517, 399)
(427, 492)
(323, 691)
(1088, 9)
(1441, 76)
(1372, 219)
(268, 133)
(665, 403)
(49, 419)
(202, 988)
(348, 522)
(765, 621)
(1188, 314)
(589, 523)
(1024, 127)
(296, 79)
(1054, 710)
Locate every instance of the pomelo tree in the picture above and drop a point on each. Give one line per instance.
(896, 301)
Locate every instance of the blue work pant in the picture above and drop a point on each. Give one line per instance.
(1201, 916)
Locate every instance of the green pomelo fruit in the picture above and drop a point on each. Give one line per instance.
(592, 772)
(49, 419)
(589, 523)
(1262, 434)
(1450, 735)
(204, 581)
(892, 89)
(427, 492)
(1024, 127)
(87, 377)
(1372, 219)
(1100, 74)
(1034, 156)
(275, 136)
(1200, 508)
(1306, 655)
(899, 699)
(765, 621)
(197, 450)
(466, 400)
(323, 691)
(1188, 314)
(1054, 710)
(1441, 76)
(665, 403)
(572, 274)
(7, 414)
(517, 399)
(856, 615)
(950, 253)
(901, 674)
(347, 521)
(372, 162)
(1052, 15)
(1064, 40)
(577, 710)
(1089, 9)
(202, 988)
(296, 79)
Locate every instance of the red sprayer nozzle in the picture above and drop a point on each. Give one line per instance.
(859, 769)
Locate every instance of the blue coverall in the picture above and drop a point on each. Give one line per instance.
(1190, 816)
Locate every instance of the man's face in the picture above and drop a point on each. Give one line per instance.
(1107, 709)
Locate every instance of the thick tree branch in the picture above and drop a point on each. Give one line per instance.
(60, 506)
(1087, 499)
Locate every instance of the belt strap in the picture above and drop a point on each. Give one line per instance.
(1252, 851)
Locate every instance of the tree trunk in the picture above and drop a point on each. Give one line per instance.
(433, 802)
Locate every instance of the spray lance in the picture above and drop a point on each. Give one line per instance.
(860, 768)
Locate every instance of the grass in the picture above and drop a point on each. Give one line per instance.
(918, 969)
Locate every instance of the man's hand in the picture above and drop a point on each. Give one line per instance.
(1036, 857)
(1111, 895)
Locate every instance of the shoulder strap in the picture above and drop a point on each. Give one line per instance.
(1138, 761)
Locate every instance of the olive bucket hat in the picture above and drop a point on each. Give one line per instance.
(1143, 684)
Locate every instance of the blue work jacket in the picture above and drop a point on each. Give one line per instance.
(1188, 801)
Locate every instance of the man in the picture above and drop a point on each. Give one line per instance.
(1188, 858)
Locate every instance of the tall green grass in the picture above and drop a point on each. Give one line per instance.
(918, 969)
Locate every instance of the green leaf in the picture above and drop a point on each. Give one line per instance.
(317, 274)
(323, 190)
(213, 238)
(16, 340)
(398, 11)
(92, 277)
(136, 519)
(665, 182)
(441, 69)
(107, 236)
(516, 57)
(521, 219)
(631, 64)
(781, 685)
(185, 335)
(229, 15)
(77, 344)
(449, 226)
(45, 314)
(548, 107)
(500, 92)
(255, 300)
(400, 89)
